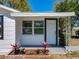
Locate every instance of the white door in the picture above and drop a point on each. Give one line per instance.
(51, 32)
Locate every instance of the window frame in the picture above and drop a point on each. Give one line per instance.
(26, 27)
(43, 27)
(33, 27)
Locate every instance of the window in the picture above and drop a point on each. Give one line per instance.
(38, 30)
(27, 27)
(1, 27)
(36, 26)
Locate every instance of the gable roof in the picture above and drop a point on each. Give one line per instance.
(8, 8)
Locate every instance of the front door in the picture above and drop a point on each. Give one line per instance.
(51, 32)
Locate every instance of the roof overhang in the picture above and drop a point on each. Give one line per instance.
(52, 14)
(8, 8)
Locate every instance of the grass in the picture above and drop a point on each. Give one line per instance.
(74, 42)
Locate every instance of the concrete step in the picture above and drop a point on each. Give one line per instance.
(57, 50)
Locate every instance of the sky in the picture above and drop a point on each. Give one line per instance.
(42, 5)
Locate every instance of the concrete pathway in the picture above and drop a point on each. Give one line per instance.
(57, 50)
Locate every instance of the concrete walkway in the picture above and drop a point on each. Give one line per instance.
(57, 50)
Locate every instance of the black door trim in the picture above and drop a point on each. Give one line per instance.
(56, 29)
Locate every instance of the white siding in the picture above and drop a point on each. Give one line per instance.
(8, 34)
(28, 39)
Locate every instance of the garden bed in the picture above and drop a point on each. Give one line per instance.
(30, 52)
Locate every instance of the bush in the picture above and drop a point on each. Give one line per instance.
(62, 41)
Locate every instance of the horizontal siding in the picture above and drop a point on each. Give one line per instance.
(9, 33)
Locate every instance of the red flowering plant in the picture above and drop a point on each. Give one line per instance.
(16, 48)
(45, 51)
(44, 45)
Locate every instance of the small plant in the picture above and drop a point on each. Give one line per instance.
(16, 48)
(38, 51)
(42, 51)
(62, 39)
(44, 45)
(22, 51)
(45, 51)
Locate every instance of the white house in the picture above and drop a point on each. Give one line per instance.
(31, 29)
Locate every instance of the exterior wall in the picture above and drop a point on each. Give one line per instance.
(27, 39)
(8, 34)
